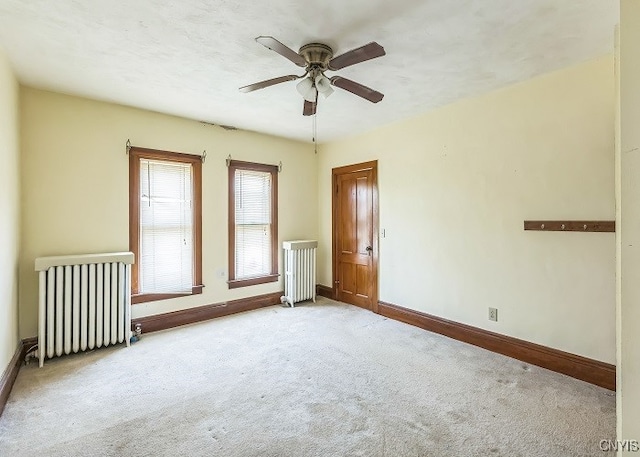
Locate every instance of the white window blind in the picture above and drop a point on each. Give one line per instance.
(166, 227)
(252, 223)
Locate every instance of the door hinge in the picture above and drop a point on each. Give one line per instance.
(336, 282)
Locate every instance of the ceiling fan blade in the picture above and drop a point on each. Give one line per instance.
(273, 44)
(309, 108)
(268, 82)
(358, 89)
(361, 54)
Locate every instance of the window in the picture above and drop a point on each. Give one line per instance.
(165, 224)
(253, 224)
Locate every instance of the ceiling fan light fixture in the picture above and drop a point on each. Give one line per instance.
(307, 89)
(311, 95)
(304, 86)
(323, 85)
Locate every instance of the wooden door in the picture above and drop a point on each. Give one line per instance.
(355, 235)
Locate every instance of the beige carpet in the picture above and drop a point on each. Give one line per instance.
(318, 380)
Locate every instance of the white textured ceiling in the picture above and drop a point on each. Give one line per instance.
(189, 57)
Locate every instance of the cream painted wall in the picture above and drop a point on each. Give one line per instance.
(628, 203)
(456, 185)
(75, 187)
(9, 212)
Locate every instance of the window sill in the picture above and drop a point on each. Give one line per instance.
(143, 298)
(245, 282)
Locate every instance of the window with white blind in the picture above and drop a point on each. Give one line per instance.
(253, 227)
(165, 214)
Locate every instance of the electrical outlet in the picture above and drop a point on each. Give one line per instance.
(493, 314)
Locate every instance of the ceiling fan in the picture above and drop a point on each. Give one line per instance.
(316, 58)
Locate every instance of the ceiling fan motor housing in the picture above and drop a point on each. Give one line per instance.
(317, 55)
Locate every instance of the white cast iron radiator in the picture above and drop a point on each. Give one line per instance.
(85, 302)
(300, 271)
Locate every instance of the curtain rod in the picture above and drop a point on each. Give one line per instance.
(202, 156)
(279, 166)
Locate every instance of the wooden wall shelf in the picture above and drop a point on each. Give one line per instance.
(571, 226)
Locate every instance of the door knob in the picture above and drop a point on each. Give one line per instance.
(369, 249)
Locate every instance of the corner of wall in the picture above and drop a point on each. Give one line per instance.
(10, 210)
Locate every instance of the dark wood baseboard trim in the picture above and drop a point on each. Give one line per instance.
(11, 372)
(589, 370)
(324, 291)
(202, 313)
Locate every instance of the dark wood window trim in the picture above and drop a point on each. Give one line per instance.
(273, 276)
(135, 154)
